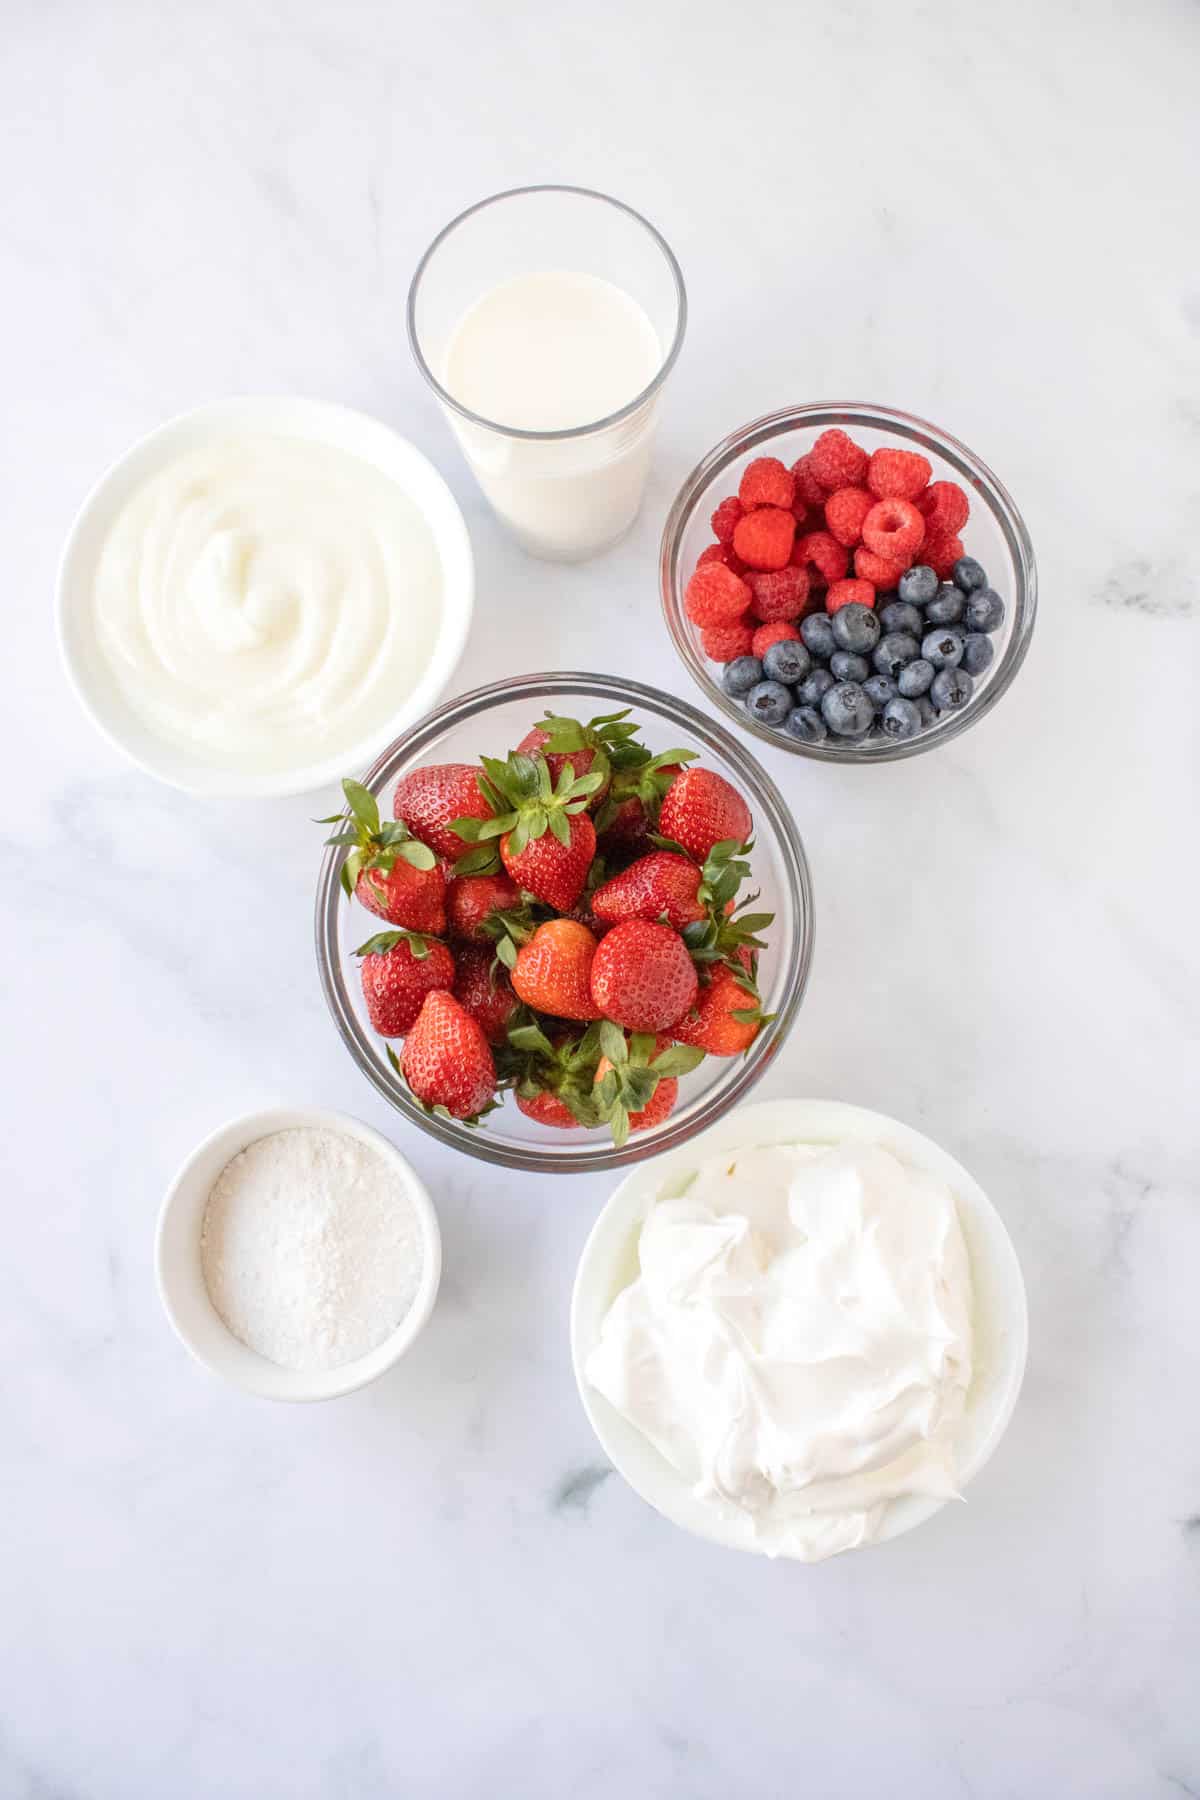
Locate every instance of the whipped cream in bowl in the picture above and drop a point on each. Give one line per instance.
(802, 1333)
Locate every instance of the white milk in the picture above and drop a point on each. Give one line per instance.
(550, 352)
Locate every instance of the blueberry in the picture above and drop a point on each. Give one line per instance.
(969, 575)
(806, 723)
(893, 651)
(918, 585)
(740, 675)
(846, 666)
(787, 661)
(915, 679)
(901, 719)
(847, 710)
(951, 689)
(814, 687)
(977, 652)
(816, 633)
(984, 611)
(902, 615)
(770, 702)
(879, 689)
(855, 628)
(944, 648)
(946, 607)
(927, 710)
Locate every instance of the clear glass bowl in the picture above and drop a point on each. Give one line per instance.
(994, 534)
(490, 721)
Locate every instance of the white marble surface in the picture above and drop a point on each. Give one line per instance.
(983, 213)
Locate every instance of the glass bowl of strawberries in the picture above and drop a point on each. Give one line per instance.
(564, 923)
(848, 582)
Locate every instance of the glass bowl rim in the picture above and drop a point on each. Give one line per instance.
(574, 431)
(952, 450)
(768, 806)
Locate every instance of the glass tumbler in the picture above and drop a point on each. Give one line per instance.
(568, 493)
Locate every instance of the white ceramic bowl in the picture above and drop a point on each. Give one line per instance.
(609, 1263)
(181, 1278)
(335, 426)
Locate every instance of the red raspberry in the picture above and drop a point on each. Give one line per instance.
(715, 596)
(722, 553)
(837, 461)
(774, 633)
(767, 483)
(881, 571)
(941, 550)
(779, 595)
(827, 556)
(894, 529)
(945, 506)
(897, 474)
(725, 518)
(845, 511)
(724, 642)
(808, 489)
(841, 593)
(763, 539)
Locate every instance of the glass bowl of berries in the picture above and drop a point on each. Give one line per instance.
(848, 582)
(564, 923)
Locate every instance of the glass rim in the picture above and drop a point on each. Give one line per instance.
(796, 955)
(572, 431)
(758, 434)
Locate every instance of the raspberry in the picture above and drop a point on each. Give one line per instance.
(725, 518)
(940, 551)
(722, 553)
(894, 529)
(715, 596)
(845, 511)
(881, 571)
(838, 462)
(774, 633)
(763, 539)
(945, 506)
(827, 556)
(841, 593)
(897, 474)
(808, 488)
(767, 483)
(723, 642)
(779, 595)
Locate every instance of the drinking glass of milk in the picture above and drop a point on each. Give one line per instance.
(546, 320)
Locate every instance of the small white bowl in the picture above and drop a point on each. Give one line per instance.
(337, 427)
(184, 1295)
(610, 1262)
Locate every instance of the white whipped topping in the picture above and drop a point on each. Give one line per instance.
(798, 1344)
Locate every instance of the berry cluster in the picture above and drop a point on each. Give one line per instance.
(838, 595)
(565, 926)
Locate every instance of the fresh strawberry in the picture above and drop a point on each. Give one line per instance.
(637, 1078)
(630, 811)
(399, 968)
(547, 1109)
(585, 747)
(726, 1018)
(392, 874)
(446, 1060)
(659, 886)
(643, 976)
(701, 809)
(472, 902)
(429, 799)
(483, 989)
(547, 841)
(552, 972)
(554, 1080)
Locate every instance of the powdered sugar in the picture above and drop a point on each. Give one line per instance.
(311, 1248)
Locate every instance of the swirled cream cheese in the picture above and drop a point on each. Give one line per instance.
(798, 1342)
(267, 600)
